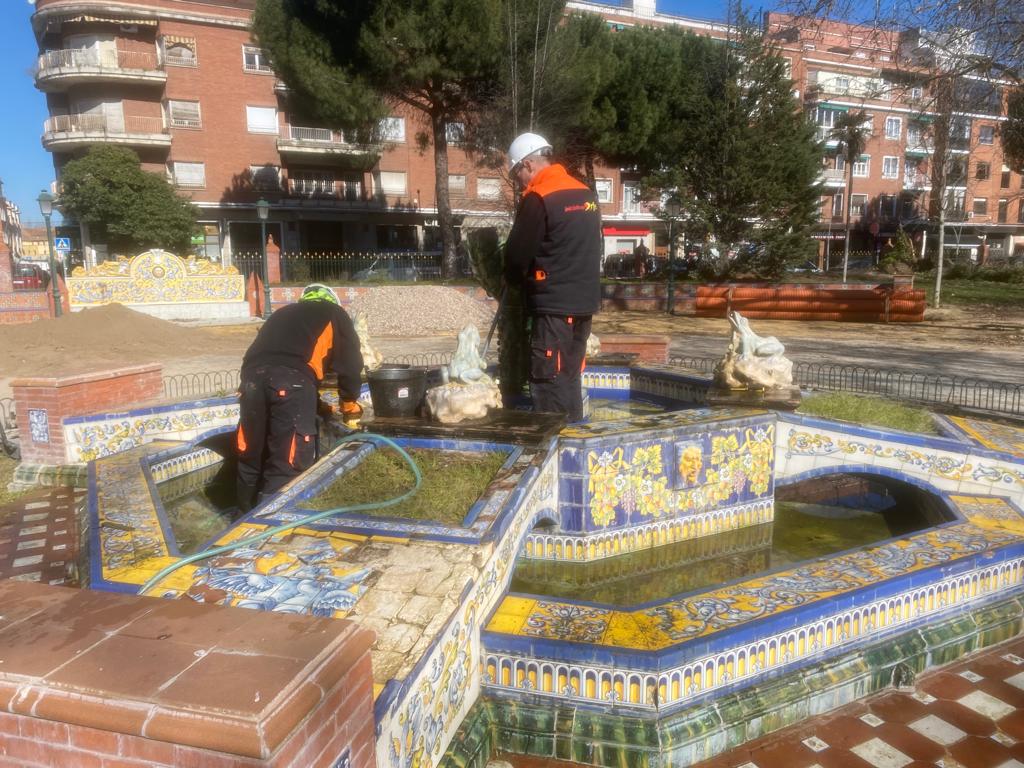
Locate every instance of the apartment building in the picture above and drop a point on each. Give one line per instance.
(182, 84)
(838, 67)
(10, 224)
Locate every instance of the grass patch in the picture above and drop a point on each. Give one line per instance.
(973, 292)
(872, 411)
(7, 466)
(452, 482)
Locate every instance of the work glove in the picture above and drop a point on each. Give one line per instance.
(351, 413)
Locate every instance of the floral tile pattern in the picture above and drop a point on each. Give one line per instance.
(992, 434)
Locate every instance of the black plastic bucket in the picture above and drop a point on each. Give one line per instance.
(397, 391)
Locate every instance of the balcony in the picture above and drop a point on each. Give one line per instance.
(917, 181)
(299, 141)
(67, 132)
(58, 70)
(832, 178)
(918, 148)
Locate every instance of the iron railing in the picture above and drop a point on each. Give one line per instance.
(105, 124)
(113, 60)
(304, 267)
(201, 384)
(925, 388)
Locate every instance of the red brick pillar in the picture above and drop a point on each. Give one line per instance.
(273, 262)
(41, 404)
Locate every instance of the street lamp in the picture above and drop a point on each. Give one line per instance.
(263, 210)
(45, 200)
(672, 209)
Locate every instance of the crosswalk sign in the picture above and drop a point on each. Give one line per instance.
(62, 243)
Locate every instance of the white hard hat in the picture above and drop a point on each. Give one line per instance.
(525, 145)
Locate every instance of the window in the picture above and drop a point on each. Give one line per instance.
(392, 129)
(312, 183)
(265, 177)
(1020, 213)
(457, 184)
(392, 182)
(980, 206)
(189, 175)
(254, 60)
(837, 205)
(986, 134)
(863, 166)
(455, 133)
(982, 171)
(841, 84)
(604, 190)
(887, 206)
(1004, 178)
(261, 119)
(917, 92)
(840, 163)
(890, 167)
(1004, 207)
(960, 128)
(488, 189)
(179, 51)
(858, 205)
(893, 127)
(868, 127)
(184, 114)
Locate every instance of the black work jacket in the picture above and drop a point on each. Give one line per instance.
(554, 249)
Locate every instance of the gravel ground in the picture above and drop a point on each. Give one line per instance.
(420, 311)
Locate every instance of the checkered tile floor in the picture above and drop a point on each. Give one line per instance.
(39, 537)
(967, 715)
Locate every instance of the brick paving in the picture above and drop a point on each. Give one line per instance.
(39, 537)
(967, 715)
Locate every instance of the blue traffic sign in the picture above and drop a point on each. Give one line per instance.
(62, 243)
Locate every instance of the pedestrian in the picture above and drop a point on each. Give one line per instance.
(554, 253)
(281, 371)
(640, 254)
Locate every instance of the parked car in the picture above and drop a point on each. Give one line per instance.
(27, 276)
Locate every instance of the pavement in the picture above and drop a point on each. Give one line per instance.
(969, 714)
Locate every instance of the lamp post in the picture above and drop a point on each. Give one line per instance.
(45, 200)
(672, 209)
(263, 210)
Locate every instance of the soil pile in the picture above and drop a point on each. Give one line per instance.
(93, 339)
(422, 310)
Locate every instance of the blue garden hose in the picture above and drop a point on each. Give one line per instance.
(355, 436)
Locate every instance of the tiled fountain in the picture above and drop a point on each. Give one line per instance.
(654, 485)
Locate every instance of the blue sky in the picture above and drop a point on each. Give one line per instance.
(26, 168)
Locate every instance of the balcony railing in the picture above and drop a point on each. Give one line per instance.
(306, 135)
(832, 177)
(69, 131)
(916, 181)
(918, 147)
(70, 58)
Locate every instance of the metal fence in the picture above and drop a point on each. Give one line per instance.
(203, 384)
(390, 267)
(915, 387)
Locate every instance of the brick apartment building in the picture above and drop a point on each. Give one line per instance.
(10, 224)
(182, 84)
(838, 67)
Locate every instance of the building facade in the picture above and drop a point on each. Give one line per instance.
(10, 224)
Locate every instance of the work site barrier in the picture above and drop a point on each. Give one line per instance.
(882, 304)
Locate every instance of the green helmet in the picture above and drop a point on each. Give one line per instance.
(319, 292)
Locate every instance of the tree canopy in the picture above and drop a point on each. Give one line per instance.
(131, 209)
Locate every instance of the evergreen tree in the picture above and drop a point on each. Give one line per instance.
(130, 209)
(345, 62)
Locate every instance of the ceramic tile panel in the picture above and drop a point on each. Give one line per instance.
(994, 435)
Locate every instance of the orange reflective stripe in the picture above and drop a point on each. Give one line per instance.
(558, 362)
(583, 365)
(553, 178)
(321, 350)
(540, 274)
(291, 452)
(240, 440)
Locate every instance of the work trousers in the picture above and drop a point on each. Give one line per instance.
(276, 431)
(558, 348)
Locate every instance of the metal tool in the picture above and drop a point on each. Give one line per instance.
(494, 322)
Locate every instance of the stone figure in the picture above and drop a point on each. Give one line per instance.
(371, 357)
(752, 361)
(469, 393)
(593, 346)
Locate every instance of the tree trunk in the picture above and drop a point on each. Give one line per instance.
(449, 262)
(849, 200)
(942, 249)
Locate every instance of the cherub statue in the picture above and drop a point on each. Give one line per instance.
(467, 366)
(752, 361)
(371, 357)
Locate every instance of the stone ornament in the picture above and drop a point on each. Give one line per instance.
(469, 393)
(371, 357)
(753, 362)
(593, 346)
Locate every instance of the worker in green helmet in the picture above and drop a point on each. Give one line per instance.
(281, 372)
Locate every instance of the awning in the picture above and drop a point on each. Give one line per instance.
(623, 232)
(838, 235)
(110, 20)
(179, 40)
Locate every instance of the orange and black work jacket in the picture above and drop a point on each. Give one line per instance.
(554, 249)
(310, 337)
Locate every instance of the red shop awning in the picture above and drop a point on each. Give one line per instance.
(632, 232)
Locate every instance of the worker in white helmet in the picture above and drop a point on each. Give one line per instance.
(554, 252)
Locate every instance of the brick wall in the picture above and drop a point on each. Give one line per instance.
(42, 403)
(649, 348)
(18, 306)
(175, 683)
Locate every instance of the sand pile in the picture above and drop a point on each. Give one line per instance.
(422, 310)
(97, 338)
